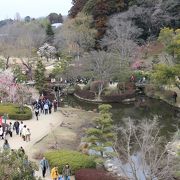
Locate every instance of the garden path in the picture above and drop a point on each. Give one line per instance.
(39, 129)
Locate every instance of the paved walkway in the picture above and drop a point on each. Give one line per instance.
(39, 129)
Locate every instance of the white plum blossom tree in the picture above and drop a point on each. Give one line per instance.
(47, 51)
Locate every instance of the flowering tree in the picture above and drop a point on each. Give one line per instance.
(10, 91)
(47, 51)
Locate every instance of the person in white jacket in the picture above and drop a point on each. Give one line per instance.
(21, 127)
(24, 132)
(1, 132)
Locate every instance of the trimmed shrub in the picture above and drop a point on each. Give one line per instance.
(76, 160)
(13, 112)
(119, 97)
(110, 91)
(93, 174)
(85, 94)
(125, 86)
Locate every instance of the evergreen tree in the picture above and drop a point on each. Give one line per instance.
(49, 33)
(102, 135)
(77, 7)
(40, 76)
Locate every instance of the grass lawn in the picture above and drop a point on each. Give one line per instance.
(13, 112)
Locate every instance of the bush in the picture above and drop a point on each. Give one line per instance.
(109, 92)
(119, 97)
(75, 159)
(77, 87)
(150, 90)
(85, 94)
(14, 166)
(13, 112)
(87, 86)
(93, 174)
(168, 95)
(95, 84)
(125, 86)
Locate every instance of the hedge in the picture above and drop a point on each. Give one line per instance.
(75, 159)
(93, 174)
(119, 97)
(13, 112)
(85, 94)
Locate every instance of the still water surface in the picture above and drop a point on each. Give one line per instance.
(143, 108)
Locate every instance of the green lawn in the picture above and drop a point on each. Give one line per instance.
(13, 112)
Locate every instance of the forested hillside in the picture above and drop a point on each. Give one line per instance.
(149, 15)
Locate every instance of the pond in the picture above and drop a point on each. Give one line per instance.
(143, 108)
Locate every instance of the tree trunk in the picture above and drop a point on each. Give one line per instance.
(99, 94)
(7, 62)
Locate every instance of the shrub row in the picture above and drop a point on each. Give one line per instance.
(85, 94)
(75, 159)
(119, 97)
(13, 112)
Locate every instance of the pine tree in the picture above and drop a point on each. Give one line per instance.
(102, 135)
(40, 76)
(49, 33)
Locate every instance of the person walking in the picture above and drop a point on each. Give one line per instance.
(10, 129)
(24, 131)
(175, 96)
(55, 105)
(16, 127)
(54, 173)
(21, 127)
(66, 172)
(6, 145)
(50, 107)
(28, 135)
(42, 106)
(44, 166)
(46, 108)
(36, 113)
(1, 132)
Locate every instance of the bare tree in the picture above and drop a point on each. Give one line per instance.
(7, 43)
(120, 38)
(78, 34)
(21, 40)
(101, 65)
(143, 151)
(31, 36)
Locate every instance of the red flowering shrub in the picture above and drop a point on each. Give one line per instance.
(93, 174)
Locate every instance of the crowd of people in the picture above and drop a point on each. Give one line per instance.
(66, 171)
(44, 106)
(18, 127)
